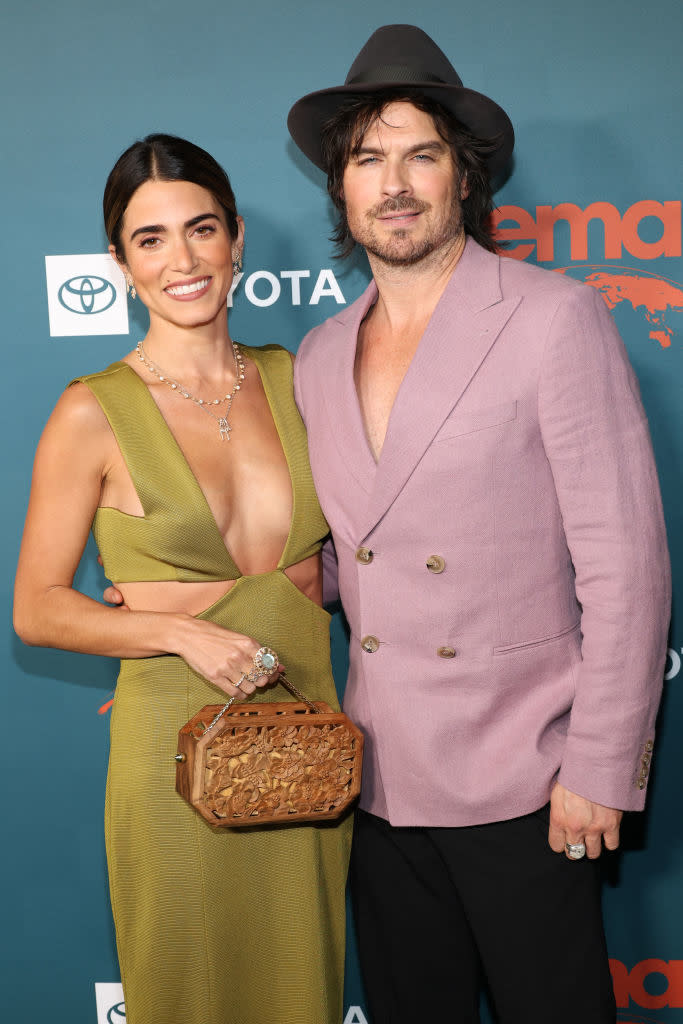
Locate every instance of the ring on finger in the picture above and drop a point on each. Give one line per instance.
(265, 662)
(575, 851)
(241, 679)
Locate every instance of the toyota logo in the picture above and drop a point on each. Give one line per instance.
(117, 1014)
(87, 294)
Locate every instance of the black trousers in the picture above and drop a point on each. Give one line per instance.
(439, 911)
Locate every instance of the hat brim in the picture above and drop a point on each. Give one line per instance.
(481, 115)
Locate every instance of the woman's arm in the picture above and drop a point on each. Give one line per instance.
(73, 459)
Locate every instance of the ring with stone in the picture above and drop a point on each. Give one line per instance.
(265, 661)
(575, 851)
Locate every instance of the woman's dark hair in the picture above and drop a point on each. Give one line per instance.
(342, 137)
(162, 158)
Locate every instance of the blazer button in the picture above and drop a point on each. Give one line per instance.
(446, 652)
(370, 644)
(649, 746)
(364, 555)
(640, 784)
(435, 563)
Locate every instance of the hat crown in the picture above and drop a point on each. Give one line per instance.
(403, 57)
(401, 53)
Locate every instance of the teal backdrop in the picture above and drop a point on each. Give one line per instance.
(594, 89)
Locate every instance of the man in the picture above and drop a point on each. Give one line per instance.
(483, 460)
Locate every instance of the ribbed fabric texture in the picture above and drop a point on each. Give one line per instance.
(214, 926)
(177, 539)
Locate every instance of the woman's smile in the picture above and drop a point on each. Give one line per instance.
(189, 290)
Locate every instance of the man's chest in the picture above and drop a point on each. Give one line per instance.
(381, 363)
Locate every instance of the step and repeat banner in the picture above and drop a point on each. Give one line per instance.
(594, 90)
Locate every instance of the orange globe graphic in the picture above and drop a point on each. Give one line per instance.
(659, 299)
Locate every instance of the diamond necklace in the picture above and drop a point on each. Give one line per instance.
(223, 425)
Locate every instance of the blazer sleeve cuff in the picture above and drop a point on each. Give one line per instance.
(625, 790)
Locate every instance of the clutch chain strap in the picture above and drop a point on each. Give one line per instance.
(295, 691)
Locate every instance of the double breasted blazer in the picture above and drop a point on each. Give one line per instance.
(503, 565)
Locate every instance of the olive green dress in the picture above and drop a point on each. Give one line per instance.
(213, 926)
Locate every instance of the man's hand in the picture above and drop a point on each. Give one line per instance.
(573, 819)
(111, 595)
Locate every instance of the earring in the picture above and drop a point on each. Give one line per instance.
(130, 286)
(237, 261)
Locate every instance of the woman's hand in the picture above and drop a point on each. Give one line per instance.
(220, 655)
(223, 657)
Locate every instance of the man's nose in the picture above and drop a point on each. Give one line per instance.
(395, 180)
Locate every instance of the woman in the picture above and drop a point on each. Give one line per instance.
(189, 459)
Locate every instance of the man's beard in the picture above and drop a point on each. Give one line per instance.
(398, 250)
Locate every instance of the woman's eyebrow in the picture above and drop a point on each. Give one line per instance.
(157, 229)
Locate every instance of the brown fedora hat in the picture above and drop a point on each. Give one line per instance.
(403, 56)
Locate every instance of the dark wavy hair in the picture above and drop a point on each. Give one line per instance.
(163, 158)
(342, 137)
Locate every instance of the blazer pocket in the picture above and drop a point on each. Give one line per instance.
(537, 642)
(468, 422)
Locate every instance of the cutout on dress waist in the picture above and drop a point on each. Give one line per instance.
(145, 595)
(193, 597)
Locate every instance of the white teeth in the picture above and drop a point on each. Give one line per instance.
(187, 289)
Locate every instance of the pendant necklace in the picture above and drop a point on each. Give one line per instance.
(223, 425)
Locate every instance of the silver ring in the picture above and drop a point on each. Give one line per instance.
(241, 679)
(575, 851)
(265, 662)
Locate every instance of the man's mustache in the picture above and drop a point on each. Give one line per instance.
(401, 204)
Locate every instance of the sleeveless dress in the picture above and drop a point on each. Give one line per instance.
(214, 926)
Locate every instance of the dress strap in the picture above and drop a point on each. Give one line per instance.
(159, 471)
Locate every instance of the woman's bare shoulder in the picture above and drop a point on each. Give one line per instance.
(78, 409)
(78, 427)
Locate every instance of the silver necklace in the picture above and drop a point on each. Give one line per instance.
(223, 425)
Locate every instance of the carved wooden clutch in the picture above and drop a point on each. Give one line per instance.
(260, 764)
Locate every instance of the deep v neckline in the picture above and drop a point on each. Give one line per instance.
(184, 467)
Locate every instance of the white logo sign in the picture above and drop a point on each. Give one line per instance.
(673, 663)
(109, 1000)
(111, 1010)
(264, 289)
(355, 1016)
(85, 295)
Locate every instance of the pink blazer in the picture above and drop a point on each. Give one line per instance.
(503, 567)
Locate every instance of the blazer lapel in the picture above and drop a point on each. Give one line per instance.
(464, 326)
